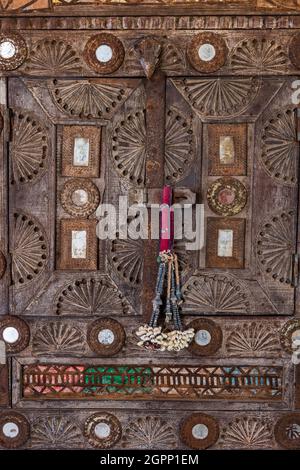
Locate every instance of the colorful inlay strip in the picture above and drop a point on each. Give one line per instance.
(151, 382)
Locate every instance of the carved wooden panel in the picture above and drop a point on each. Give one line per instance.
(116, 103)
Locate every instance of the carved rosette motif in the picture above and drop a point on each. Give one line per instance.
(199, 431)
(215, 56)
(275, 247)
(17, 51)
(29, 148)
(219, 97)
(127, 259)
(287, 431)
(109, 41)
(22, 329)
(259, 55)
(87, 99)
(280, 147)
(57, 338)
(247, 432)
(80, 197)
(129, 147)
(227, 196)
(106, 337)
(21, 430)
(149, 432)
(212, 340)
(286, 334)
(55, 432)
(53, 56)
(215, 293)
(29, 249)
(102, 430)
(91, 296)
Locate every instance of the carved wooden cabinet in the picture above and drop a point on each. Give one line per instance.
(117, 100)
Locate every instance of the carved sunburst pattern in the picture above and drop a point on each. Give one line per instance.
(88, 98)
(214, 293)
(29, 148)
(55, 432)
(53, 56)
(247, 432)
(179, 149)
(91, 296)
(220, 97)
(275, 247)
(127, 258)
(149, 432)
(280, 147)
(253, 338)
(57, 338)
(259, 55)
(29, 249)
(129, 146)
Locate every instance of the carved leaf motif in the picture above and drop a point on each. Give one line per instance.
(220, 97)
(262, 55)
(55, 432)
(253, 338)
(275, 247)
(29, 148)
(214, 293)
(91, 296)
(247, 432)
(171, 60)
(53, 56)
(29, 249)
(280, 147)
(57, 337)
(88, 98)
(149, 432)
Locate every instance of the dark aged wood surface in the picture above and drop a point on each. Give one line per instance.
(250, 307)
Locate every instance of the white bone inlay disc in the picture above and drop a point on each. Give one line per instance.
(80, 197)
(207, 52)
(7, 50)
(104, 53)
(200, 431)
(10, 429)
(10, 334)
(202, 337)
(106, 336)
(102, 430)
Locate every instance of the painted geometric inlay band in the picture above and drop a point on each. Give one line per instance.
(151, 382)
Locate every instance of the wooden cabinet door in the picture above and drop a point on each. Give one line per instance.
(94, 109)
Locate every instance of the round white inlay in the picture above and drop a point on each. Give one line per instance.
(202, 337)
(7, 50)
(200, 431)
(10, 334)
(207, 52)
(80, 197)
(104, 53)
(102, 430)
(10, 429)
(106, 336)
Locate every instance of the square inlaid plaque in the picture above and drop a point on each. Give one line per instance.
(81, 151)
(225, 243)
(227, 149)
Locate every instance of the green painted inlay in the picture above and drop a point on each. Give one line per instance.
(123, 380)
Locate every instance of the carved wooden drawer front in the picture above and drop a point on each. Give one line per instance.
(117, 101)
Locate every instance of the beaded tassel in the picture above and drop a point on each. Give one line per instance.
(153, 336)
